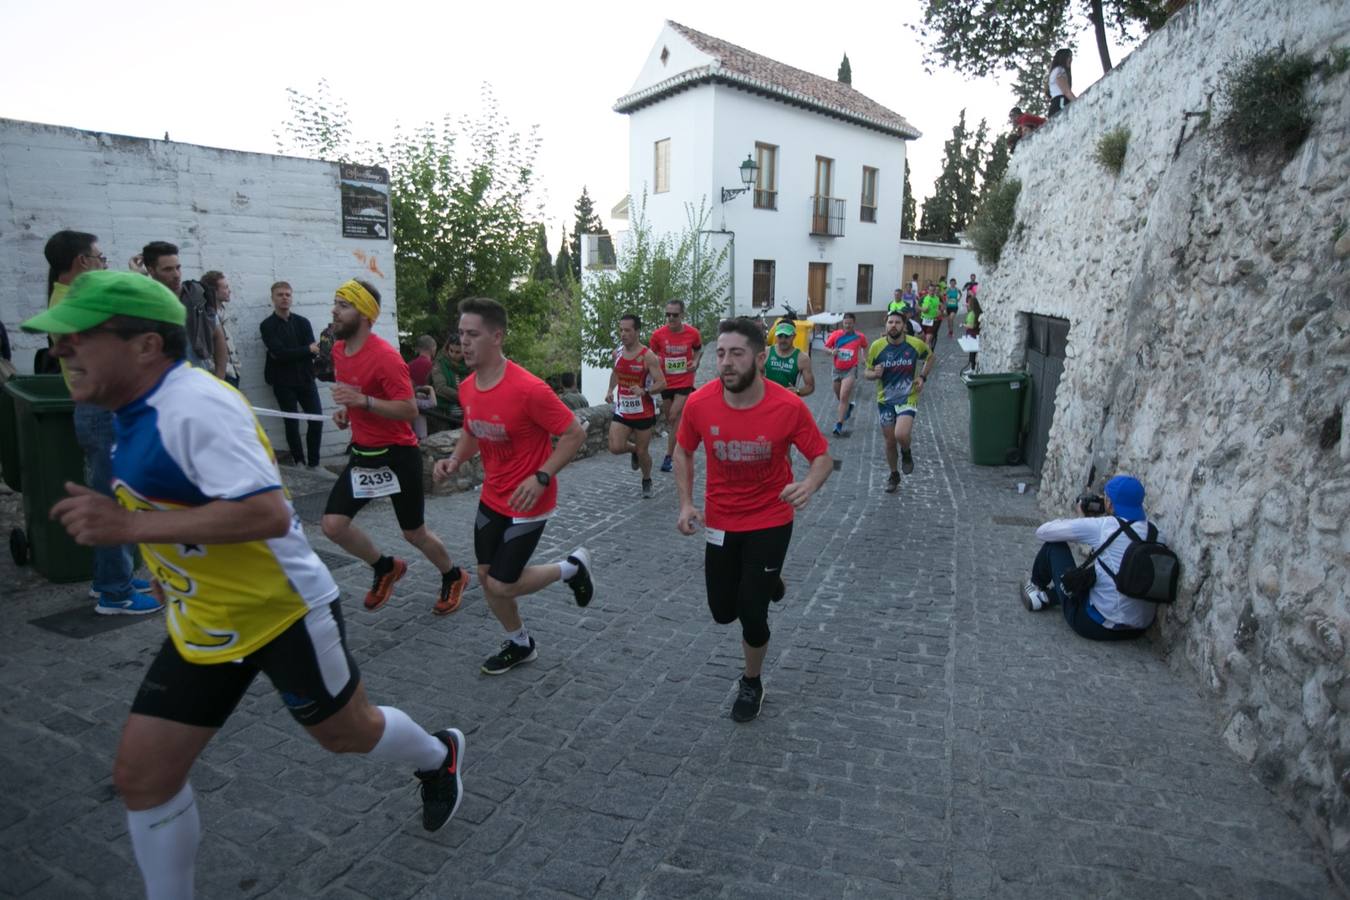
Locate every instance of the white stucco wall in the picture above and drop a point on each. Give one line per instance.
(1208, 354)
(712, 130)
(257, 218)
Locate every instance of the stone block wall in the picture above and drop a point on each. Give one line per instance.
(258, 218)
(1209, 354)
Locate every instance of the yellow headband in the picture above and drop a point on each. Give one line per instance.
(359, 297)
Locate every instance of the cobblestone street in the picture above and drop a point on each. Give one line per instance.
(923, 735)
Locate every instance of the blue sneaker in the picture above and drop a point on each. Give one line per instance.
(133, 604)
(140, 585)
(667, 464)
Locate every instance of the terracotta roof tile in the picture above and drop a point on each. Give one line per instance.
(751, 71)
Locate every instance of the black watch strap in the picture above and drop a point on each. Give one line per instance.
(543, 477)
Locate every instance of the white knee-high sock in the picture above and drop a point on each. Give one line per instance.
(165, 841)
(406, 742)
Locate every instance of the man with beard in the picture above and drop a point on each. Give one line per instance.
(636, 376)
(511, 417)
(374, 394)
(747, 426)
(891, 362)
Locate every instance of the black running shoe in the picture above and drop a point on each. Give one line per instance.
(442, 788)
(749, 698)
(906, 462)
(582, 586)
(779, 590)
(510, 656)
(893, 483)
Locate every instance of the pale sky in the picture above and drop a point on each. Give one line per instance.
(215, 77)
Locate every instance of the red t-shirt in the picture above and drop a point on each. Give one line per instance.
(378, 371)
(631, 400)
(677, 349)
(420, 370)
(853, 347)
(514, 422)
(747, 453)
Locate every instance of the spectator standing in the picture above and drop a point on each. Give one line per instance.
(1059, 84)
(159, 260)
(70, 254)
(289, 369)
(446, 376)
(569, 395)
(419, 369)
(218, 293)
(973, 313)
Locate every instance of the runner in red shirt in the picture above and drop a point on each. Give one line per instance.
(746, 425)
(848, 346)
(375, 397)
(510, 417)
(636, 376)
(680, 348)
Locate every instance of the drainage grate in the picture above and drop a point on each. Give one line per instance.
(335, 560)
(83, 622)
(1017, 520)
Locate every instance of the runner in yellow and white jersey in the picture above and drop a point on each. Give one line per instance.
(200, 492)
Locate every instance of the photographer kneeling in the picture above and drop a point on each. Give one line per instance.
(1094, 606)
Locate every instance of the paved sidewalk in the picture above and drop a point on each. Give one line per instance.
(922, 734)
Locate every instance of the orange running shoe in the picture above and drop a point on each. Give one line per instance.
(452, 592)
(380, 591)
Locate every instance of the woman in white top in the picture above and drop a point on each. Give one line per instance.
(1060, 83)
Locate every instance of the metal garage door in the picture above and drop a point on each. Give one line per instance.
(1046, 341)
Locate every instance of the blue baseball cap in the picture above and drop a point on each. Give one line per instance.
(1127, 497)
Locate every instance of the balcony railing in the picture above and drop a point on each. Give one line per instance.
(827, 216)
(766, 199)
(867, 213)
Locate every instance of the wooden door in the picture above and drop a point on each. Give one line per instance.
(817, 282)
(929, 268)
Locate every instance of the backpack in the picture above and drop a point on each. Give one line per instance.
(1149, 570)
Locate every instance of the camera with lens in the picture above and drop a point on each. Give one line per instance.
(1093, 505)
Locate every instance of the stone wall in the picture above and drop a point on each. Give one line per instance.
(1208, 354)
(470, 475)
(256, 217)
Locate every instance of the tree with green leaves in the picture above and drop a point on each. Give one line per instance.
(972, 163)
(948, 209)
(650, 270)
(845, 71)
(983, 37)
(995, 166)
(563, 263)
(907, 209)
(543, 260)
(585, 221)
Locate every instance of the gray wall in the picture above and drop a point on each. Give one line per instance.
(1208, 354)
(256, 217)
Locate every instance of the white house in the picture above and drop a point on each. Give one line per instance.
(819, 227)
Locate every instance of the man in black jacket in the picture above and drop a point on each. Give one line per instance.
(289, 369)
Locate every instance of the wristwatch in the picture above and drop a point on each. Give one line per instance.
(543, 477)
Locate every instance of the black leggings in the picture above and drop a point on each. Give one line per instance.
(741, 576)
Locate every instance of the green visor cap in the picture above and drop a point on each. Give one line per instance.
(95, 297)
(784, 328)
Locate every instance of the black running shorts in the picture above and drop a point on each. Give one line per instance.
(504, 546)
(308, 664)
(636, 424)
(671, 393)
(371, 463)
(741, 576)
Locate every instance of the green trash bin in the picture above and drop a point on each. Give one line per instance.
(996, 402)
(9, 442)
(49, 456)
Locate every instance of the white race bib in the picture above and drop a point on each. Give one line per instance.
(630, 404)
(368, 484)
(676, 365)
(716, 536)
(845, 355)
(927, 322)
